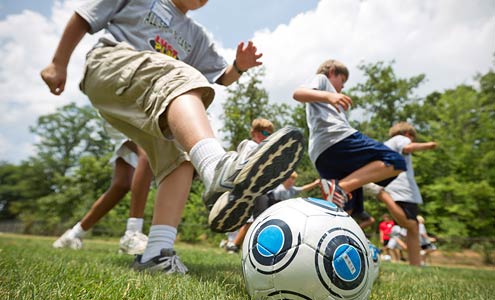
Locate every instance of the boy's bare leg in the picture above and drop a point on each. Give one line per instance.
(170, 202)
(187, 120)
(412, 241)
(140, 186)
(373, 172)
(412, 238)
(121, 183)
(171, 196)
(242, 234)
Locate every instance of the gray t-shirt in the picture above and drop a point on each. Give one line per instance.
(404, 187)
(155, 25)
(326, 125)
(281, 193)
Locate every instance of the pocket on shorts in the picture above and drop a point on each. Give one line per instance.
(129, 71)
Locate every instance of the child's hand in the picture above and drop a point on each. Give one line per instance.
(246, 57)
(339, 101)
(432, 145)
(55, 78)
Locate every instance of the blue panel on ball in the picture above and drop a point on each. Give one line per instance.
(321, 202)
(270, 240)
(347, 263)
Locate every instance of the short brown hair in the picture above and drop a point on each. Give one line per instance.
(261, 124)
(402, 128)
(337, 66)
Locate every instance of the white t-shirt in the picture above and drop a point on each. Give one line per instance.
(326, 125)
(155, 25)
(404, 187)
(422, 230)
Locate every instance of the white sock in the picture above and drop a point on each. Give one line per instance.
(205, 156)
(160, 237)
(77, 231)
(134, 225)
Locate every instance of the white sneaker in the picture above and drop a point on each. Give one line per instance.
(133, 243)
(223, 243)
(237, 182)
(66, 241)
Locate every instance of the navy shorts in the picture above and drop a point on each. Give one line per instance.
(351, 154)
(411, 210)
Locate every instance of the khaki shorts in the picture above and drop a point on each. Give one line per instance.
(131, 89)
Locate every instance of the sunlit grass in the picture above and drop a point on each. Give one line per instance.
(31, 269)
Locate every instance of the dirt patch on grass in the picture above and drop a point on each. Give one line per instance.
(465, 258)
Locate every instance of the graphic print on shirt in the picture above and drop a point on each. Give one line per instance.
(160, 17)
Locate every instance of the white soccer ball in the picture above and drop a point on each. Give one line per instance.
(307, 248)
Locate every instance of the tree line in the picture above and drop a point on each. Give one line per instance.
(53, 189)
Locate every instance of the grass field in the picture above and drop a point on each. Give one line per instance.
(31, 269)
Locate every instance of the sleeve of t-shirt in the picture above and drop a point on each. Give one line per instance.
(297, 190)
(98, 12)
(206, 57)
(316, 83)
(397, 143)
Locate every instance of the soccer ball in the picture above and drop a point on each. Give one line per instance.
(306, 248)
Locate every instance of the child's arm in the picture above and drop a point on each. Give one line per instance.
(310, 186)
(310, 95)
(245, 59)
(413, 147)
(55, 74)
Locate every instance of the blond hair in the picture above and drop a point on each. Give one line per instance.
(293, 175)
(261, 124)
(420, 219)
(332, 64)
(402, 128)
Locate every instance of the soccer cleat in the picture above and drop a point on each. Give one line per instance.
(133, 242)
(236, 183)
(332, 192)
(67, 241)
(167, 262)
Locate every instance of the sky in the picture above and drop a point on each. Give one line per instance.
(450, 41)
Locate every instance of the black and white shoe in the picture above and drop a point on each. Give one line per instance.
(237, 183)
(167, 262)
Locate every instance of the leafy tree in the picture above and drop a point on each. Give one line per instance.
(51, 187)
(461, 198)
(68, 134)
(247, 101)
(384, 98)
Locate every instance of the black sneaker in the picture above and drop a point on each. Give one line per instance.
(237, 183)
(167, 262)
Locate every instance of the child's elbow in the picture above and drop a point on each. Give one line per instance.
(297, 95)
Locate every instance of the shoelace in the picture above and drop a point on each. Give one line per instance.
(177, 266)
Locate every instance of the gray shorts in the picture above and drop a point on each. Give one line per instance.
(132, 89)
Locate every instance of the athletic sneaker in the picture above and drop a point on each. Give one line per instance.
(237, 183)
(223, 243)
(167, 262)
(332, 192)
(67, 241)
(231, 248)
(133, 242)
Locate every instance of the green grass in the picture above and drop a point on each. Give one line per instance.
(31, 269)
